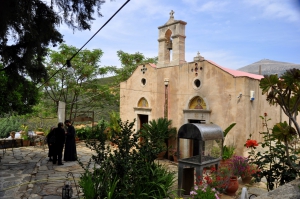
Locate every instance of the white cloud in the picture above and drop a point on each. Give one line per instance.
(276, 9)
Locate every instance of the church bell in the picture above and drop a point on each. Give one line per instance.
(169, 44)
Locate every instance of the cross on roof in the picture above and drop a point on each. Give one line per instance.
(171, 14)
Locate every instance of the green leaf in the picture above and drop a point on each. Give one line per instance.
(228, 129)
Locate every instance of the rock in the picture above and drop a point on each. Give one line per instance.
(288, 191)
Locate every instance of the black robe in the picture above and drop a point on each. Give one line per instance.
(50, 147)
(70, 153)
(59, 144)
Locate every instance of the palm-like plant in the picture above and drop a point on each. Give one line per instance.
(227, 151)
(113, 126)
(156, 132)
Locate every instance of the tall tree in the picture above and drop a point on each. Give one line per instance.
(129, 62)
(28, 27)
(78, 89)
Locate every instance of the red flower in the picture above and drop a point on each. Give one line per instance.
(265, 114)
(251, 143)
(213, 169)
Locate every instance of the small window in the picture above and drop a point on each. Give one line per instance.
(143, 81)
(197, 83)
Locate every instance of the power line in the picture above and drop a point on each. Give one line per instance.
(69, 60)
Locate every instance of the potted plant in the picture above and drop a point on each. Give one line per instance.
(244, 169)
(25, 139)
(24, 135)
(174, 154)
(250, 170)
(227, 151)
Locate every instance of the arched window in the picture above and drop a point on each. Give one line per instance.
(197, 103)
(143, 103)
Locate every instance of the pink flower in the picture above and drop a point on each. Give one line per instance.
(193, 193)
(196, 187)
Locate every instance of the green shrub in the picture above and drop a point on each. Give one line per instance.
(9, 124)
(83, 133)
(128, 171)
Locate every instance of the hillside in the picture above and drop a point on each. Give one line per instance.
(102, 111)
(268, 67)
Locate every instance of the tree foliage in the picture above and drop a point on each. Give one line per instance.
(17, 98)
(129, 62)
(27, 28)
(77, 89)
(284, 91)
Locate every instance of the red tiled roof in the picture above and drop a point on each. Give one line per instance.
(153, 65)
(234, 73)
(237, 73)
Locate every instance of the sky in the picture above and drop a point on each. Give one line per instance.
(231, 33)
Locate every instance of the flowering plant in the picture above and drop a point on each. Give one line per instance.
(217, 179)
(204, 191)
(239, 164)
(242, 167)
(250, 170)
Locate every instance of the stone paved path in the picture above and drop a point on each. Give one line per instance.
(28, 175)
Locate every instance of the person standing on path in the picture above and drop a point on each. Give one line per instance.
(59, 143)
(50, 146)
(70, 153)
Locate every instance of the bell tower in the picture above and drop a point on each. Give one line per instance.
(171, 49)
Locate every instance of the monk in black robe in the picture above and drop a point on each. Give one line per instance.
(59, 143)
(50, 146)
(70, 153)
